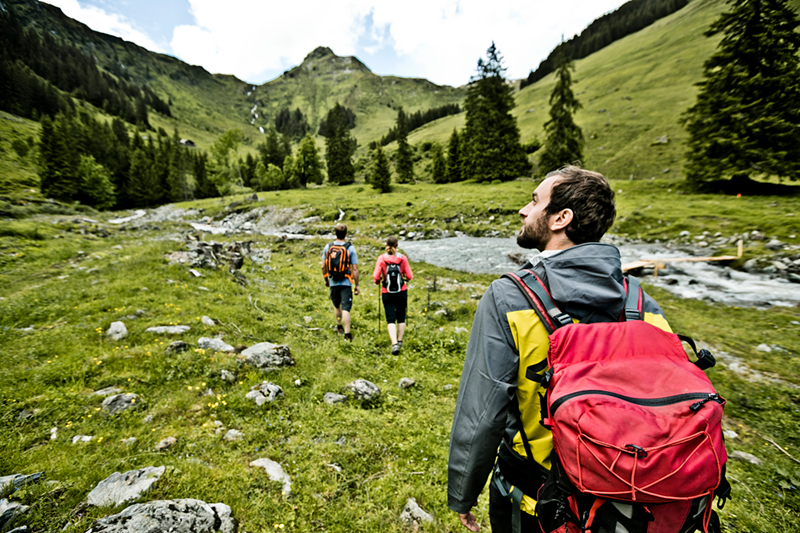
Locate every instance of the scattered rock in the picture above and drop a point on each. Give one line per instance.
(233, 435)
(120, 402)
(308, 319)
(406, 383)
(448, 387)
(664, 139)
(334, 467)
(9, 484)
(746, 457)
(175, 516)
(730, 434)
(459, 329)
(364, 390)
(166, 443)
(171, 330)
(774, 245)
(331, 398)
(763, 348)
(275, 473)
(53, 433)
(298, 382)
(195, 273)
(177, 347)
(82, 438)
(9, 512)
(228, 376)
(751, 265)
(117, 331)
(108, 391)
(216, 345)
(207, 321)
(129, 441)
(413, 514)
(267, 356)
(684, 233)
(440, 312)
(120, 488)
(148, 419)
(265, 392)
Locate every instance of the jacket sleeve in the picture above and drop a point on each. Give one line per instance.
(406, 269)
(378, 272)
(488, 385)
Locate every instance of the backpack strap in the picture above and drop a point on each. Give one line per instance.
(539, 298)
(634, 303)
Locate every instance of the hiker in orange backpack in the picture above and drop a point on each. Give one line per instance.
(393, 272)
(340, 270)
(505, 409)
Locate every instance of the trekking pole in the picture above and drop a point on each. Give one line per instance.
(378, 329)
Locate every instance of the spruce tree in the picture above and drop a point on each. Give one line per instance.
(97, 189)
(339, 147)
(381, 173)
(563, 144)
(404, 164)
(454, 173)
(439, 164)
(493, 150)
(308, 165)
(746, 121)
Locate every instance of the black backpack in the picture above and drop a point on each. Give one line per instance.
(394, 278)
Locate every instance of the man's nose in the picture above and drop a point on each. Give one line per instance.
(525, 210)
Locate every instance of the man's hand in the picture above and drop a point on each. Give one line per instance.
(468, 521)
(327, 284)
(356, 291)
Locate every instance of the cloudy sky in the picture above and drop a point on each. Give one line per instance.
(256, 40)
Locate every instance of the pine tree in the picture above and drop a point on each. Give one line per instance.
(381, 173)
(143, 186)
(97, 189)
(292, 180)
(439, 164)
(491, 135)
(339, 147)
(59, 174)
(563, 144)
(746, 121)
(403, 162)
(454, 173)
(225, 153)
(308, 165)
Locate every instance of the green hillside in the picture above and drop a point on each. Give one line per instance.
(633, 94)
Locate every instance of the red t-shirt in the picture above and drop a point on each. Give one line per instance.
(380, 269)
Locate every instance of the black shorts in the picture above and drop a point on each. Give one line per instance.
(395, 305)
(342, 296)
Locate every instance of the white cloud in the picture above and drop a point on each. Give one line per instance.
(437, 39)
(110, 23)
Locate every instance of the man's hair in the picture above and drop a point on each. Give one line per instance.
(341, 231)
(590, 198)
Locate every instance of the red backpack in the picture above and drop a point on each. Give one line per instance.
(637, 437)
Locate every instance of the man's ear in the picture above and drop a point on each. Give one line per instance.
(561, 220)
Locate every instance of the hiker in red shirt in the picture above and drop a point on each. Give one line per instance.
(393, 271)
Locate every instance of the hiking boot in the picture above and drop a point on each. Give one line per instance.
(348, 337)
(395, 348)
(339, 329)
(399, 344)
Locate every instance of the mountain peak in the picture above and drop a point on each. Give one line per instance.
(320, 52)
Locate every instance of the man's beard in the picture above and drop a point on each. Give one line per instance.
(534, 236)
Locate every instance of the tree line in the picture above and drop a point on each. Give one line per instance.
(627, 19)
(39, 73)
(419, 119)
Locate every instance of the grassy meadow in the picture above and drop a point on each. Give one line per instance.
(61, 289)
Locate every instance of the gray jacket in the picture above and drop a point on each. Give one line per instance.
(582, 280)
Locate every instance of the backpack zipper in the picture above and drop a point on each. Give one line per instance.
(703, 397)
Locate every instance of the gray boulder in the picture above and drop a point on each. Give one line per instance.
(171, 330)
(233, 435)
(207, 321)
(264, 392)
(228, 376)
(82, 438)
(117, 331)
(331, 398)
(774, 245)
(177, 347)
(275, 473)
(120, 488)
(175, 516)
(216, 345)
(108, 391)
(267, 356)
(406, 383)
(10, 511)
(166, 443)
(364, 390)
(745, 457)
(9, 484)
(413, 513)
(120, 402)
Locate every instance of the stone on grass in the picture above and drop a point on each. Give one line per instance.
(207, 321)
(175, 516)
(406, 383)
(108, 391)
(459, 329)
(53, 433)
(9, 484)
(9, 512)
(117, 331)
(275, 473)
(264, 392)
(20, 529)
(120, 402)
(166, 443)
(774, 245)
(129, 441)
(332, 398)
(763, 348)
(177, 347)
(228, 376)
(120, 488)
(82, 438)
(413, 513)
(215, 345)
(233, 435)
(746, 457)
(171, 330)
(730, 434)
(364, 390)
(267, 356)
(440, 312)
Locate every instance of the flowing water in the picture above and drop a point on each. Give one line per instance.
(708, 281)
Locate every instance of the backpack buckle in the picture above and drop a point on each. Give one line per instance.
(638, 451)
